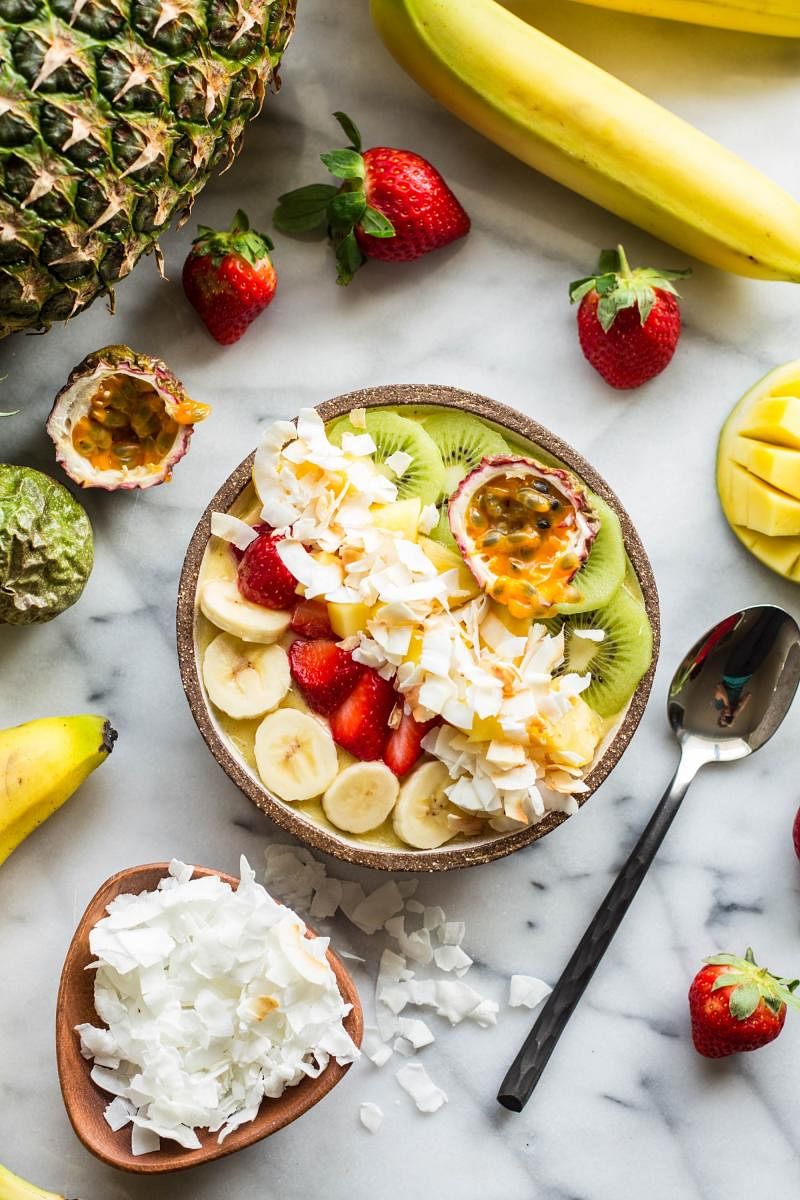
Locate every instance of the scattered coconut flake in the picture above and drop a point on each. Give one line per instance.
(433, 917)
(416, 1032)
(455, 1001)
(451, 933)
(359, 444)
(525, 991)
(452, 958)
(399, 462)
(590, 635)
(414, 1079)
(214, 999)
(358, 418)
(428, 518)
(485, 1013)
(232, 529)
(327, 899)
(414, 906)
(370, 1115)
(376, 908)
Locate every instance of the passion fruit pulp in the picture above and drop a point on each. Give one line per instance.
(122, 421)
(524, 530)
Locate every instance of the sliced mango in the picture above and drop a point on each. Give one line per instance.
(782, 554)
(775, 418)
(348, 619)
(778, 465)
(760, 507)
(401, 517)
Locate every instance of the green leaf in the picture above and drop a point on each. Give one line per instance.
(376, 224)
(344, 164)
(304, 209)
(722, 960)
(729, 979)
(744, 1001)
(608, 262)
(350, 128)
(348, 258)
(646, 298)
(346, 209)
(15, 413)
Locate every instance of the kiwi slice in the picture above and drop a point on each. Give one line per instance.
(619, 661)
(424, 476)
(441, 531)
(602, 574)
(463, 441)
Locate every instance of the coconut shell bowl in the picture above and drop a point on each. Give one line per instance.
(237, 495)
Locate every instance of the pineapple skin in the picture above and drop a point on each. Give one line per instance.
(113, 115)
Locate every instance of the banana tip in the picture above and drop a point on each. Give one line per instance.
(110, 736)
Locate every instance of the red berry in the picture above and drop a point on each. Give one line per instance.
(735, 1005)
(229, 278)
(310, 619)
(796, 833)
(629, 321)
(262, 527)
(262, 577)
(360, 724)
(324, 673)
(410, 193)
(403, 746)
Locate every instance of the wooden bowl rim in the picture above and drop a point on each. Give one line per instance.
(114, 1148)
(450, 856)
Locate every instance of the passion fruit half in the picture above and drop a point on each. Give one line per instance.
(525, 530)
(123, 420)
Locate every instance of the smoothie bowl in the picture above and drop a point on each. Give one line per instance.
(416, 628)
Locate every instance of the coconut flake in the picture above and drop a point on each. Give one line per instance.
(414, 1079)
(399, 462)
(452, 958)
(233, 530)
(376, 909)
(359, 444)
(525, 991)
(371, 1116)
(590, 635)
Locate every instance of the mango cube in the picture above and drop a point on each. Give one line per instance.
(402, 516)
(775, 419)
(781, 554)
(760, 507)
(778, 465)
(347, 619)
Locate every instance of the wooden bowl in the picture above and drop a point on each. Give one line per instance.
(454, 854)
(85, 1101)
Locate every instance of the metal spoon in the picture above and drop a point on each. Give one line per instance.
(727, 698)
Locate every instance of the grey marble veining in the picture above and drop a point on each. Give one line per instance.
(625, 1108)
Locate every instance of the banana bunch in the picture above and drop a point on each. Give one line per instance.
(594, 134)
(14, 1188)
(41, 764)
(780, 18)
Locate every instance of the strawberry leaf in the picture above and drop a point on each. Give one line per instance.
(346, 209)
(621, 288)
(350, 128)
(730, 979)
(744, 1001)
(348, 258)
(344, 164)
(376, 224)
(304, 209)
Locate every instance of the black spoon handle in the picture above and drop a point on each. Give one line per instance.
(524, 1073)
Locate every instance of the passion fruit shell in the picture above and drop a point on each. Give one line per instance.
(541, 568)
(123, 447)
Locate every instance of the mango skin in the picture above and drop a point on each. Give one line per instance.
(758, 470)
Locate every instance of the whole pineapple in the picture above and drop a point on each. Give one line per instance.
(113, 114)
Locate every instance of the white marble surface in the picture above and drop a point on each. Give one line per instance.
(626, 1107)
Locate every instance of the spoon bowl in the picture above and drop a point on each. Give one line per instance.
(86, 1102)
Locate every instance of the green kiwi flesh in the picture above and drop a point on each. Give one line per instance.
(602, 574)
(617, 663)
(463, 441)
(425, 474)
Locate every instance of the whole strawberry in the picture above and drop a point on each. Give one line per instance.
(392, 205)
(796, 833)
(629, 321)
(736, 1005)
(229, 278)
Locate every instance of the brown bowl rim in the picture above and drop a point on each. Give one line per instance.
(86, 1094)
(461, 854)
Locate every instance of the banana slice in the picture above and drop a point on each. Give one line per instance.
(420, 814)
(245, 679)
(361, 797)
(295, 755)
(225, 606)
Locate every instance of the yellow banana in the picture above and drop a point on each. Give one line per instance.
(594, 134)
(14, 1188)
(41, 764)
(780, 18)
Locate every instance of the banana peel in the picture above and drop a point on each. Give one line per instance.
(12, 1187)
(778, 18)
(42, 763)
(592, 133)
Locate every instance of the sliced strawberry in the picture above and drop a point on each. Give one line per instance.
(360, 725)
(325, 674)
(310, 619)
(262, 527)
(403, 747)
(262, 577)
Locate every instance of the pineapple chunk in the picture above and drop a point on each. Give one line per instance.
(518, 626)
(753, 503)
(778, 465)
(486, 729)
(402, 516)
(776, 419)
(578, 732)
(348, 619)
(442, 557)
